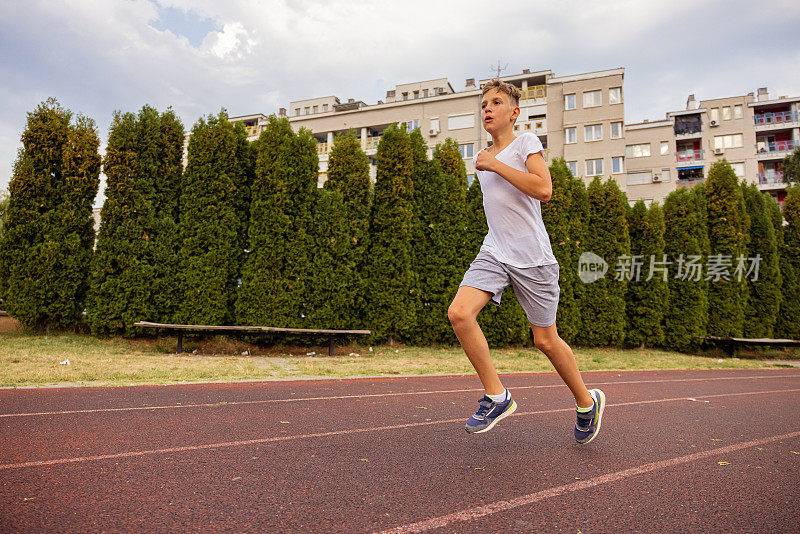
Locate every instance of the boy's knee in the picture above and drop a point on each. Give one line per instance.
(544, 343)
(457, 314)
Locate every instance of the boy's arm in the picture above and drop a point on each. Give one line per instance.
(535, 183)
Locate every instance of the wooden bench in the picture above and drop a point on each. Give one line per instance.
(182, 329)
(729, 344)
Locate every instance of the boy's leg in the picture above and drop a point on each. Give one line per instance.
(561, 356)
(463, 314)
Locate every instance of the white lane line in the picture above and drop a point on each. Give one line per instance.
(502, 506)
(372, 395)
(129, 454)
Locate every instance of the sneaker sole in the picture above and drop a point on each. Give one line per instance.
(497, 419)
(599, 416)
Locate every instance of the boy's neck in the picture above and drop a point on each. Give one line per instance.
(502, 139)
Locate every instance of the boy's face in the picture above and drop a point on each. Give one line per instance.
(497, 113)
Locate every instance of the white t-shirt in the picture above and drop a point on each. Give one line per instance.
(517, 235)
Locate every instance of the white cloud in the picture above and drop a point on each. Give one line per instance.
(101, 55)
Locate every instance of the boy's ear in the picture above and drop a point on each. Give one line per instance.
(515, 113)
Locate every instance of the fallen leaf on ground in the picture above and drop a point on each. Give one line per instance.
(723, 463)
(285, 422)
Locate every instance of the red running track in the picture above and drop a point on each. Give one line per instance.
(678, 451)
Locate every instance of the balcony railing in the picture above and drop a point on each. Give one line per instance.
(770, 177)
(252, 131)
(687, 129)
(322, 148)
(766, 147)
(688, 184)
(777, 117)
(689, 155)
(533, 93)
(371, 143)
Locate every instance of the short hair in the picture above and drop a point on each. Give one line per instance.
(512, 91)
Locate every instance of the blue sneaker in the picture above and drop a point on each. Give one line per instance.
(489, 413)
(588, 424)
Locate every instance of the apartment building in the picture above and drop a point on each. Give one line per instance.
(580, 118)
(753, 132)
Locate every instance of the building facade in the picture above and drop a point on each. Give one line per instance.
(580, 118)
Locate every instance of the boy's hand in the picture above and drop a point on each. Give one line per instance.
(485, 161)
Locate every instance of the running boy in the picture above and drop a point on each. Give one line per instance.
(514, 180)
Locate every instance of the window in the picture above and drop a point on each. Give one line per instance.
(726, 113)
(569, 101)
(571, 135)
(460, 121)
(714, 114)
(594, 167)
(411, 125)
(466, 150)
(316, 109)
(405, 96)
(324, 108)
(665, 175)
(416, 94)
(728, 141)
(737, 111)
(664, 147)
(437, 91)
(435, 123)
(738, 168)
(593, 132)
(424, 93)
(640, 177)
(616, 130)
(297, 111)
(615, 95)
(617, 165)
(592, 99)
(573, 167)
(637, 151)
(308, 110)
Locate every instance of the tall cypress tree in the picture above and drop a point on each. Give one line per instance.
(565, 231)
(603, 301)
(391, 312)
(213, 220)
(764, 293)
(348, 173)
(646, 299)
(727, 224)
(166, 238)
(123, 265)
(440, 211)
(789, 316)
(506, 324)
(47, 246)
(276, 284)
(686, 314)
(134, 269)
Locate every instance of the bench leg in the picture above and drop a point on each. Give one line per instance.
(180, 343)
(330, 346)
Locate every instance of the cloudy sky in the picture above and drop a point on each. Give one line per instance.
(248, 56)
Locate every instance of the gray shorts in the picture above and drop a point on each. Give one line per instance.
(536, 288)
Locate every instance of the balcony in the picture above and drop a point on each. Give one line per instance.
(371, 143)
(534, 92)
(775, 148)
(322, 148)
(252, 131)
(770, 177)
(777, 119)
(689, 155)
(688, 184)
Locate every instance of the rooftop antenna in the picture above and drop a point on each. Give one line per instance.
(497, 68)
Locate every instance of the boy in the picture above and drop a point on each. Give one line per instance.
(514, 180)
